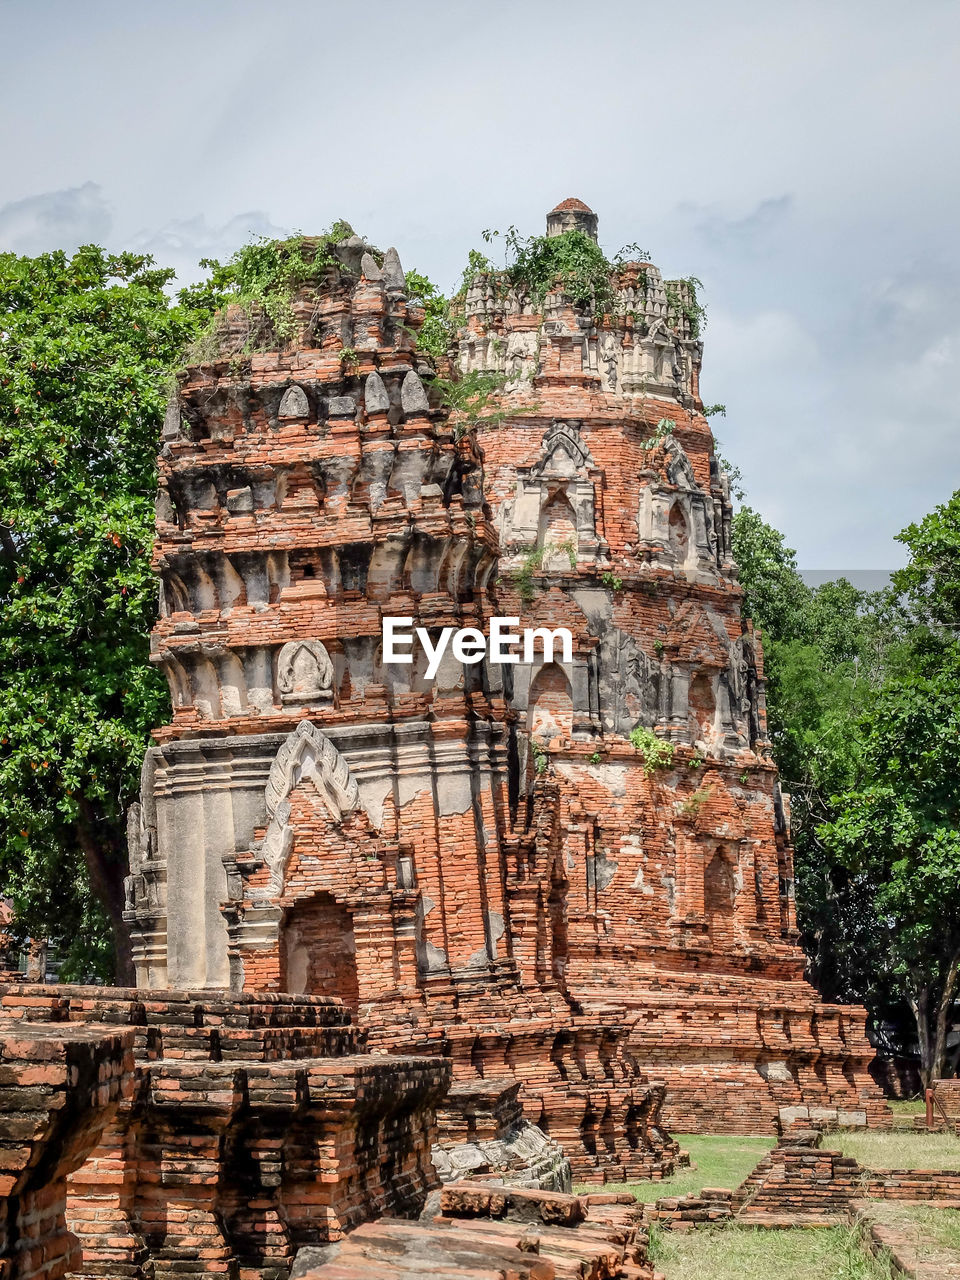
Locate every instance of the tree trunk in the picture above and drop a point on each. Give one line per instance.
(918, 1005)
(106, 864)
(943, 1016)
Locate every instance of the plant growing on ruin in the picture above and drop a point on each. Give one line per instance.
(478, 265)
(540, 758)
(665, 427)
(611, 580)
(690, 807)
(595, 758)
(88, 344)
(473, 401)
(570, 550)
(523, 577)
(533, 561)
(683, 299)
(709, 410)
(656, 752)
(436, 332)
(263, 278)
(572, 263)
(349, 359)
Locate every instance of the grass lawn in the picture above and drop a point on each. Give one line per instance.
(893, 1149)
(722, 1160)
(933, 1233)
(827, 1253)
(907, 1106)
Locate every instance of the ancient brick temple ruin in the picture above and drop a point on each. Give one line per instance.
(349, 880)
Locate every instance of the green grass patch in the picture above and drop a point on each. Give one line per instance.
(933, 1233)
(733, 1253)
(897, 1149)
(722, 1160)
(907, 1106)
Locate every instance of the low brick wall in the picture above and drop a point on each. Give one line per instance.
(912, 1184)
(59, 1089)
(798, 1181)
(679, 1213)
(169, 1134)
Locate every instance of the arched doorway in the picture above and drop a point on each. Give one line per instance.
(550, 705)
(557, 532)
(318, 952)
(719, 896)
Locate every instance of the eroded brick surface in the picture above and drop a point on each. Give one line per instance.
(501, 1234)
(150, 1134)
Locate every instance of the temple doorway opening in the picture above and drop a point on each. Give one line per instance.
(318, 952)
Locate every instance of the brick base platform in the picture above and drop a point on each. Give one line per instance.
(180, 1135)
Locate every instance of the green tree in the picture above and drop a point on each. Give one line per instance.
(897, 828)
(86, 345)
(931, 581)
(863, 694)
(774, 595)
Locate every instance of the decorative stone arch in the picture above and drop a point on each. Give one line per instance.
(563, 453)
(564, 467)
(307, 753)
(675, 517)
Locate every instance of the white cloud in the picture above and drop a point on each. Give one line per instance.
(56, 220)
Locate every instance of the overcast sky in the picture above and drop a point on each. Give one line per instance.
(800, 158)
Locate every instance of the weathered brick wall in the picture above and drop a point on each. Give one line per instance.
(245, 1127)
(918, 1185)
(59, 1089)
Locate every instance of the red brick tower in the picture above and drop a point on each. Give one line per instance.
(666, 890)
(315, 819)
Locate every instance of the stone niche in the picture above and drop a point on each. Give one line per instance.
(554, 504)
(675, 522)
(304, 673)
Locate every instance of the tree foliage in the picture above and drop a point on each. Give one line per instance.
(436, 332)
(863, 698)
(86, 345)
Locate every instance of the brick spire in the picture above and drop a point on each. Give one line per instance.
(572, 215)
